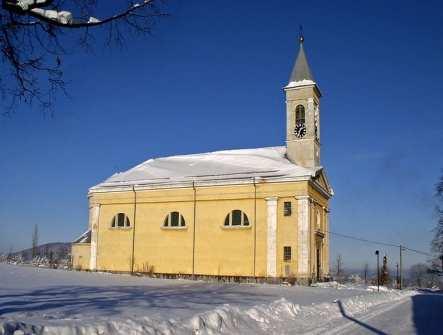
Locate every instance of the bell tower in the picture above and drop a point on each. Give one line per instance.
(302, 114)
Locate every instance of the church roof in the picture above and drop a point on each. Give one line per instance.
(301, 73)
(226, 166)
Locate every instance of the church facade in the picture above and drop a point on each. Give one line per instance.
(251, 213)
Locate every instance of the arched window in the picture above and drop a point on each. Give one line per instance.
(236, 218)
(174, 219)
(121, 220)
(299, 114)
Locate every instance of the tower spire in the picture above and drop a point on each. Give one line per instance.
(302, 113)
(301, 70)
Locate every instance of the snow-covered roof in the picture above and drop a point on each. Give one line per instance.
(224, 166)
(84, 238)
(299, 83)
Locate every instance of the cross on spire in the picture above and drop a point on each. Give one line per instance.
(301, 38)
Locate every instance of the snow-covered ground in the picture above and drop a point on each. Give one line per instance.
(45, 301)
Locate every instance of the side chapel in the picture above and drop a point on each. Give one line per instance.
(243, 214)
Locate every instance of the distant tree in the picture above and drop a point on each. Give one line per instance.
(34, 241)
(46, 251)
(10, 253)
(384, 274)
(365, 272)
(32, 46)
(51, 258)
(421, 275)
(339, 267)
(437, 241)
(61, 253)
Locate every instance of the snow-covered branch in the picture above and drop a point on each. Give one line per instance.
(64, 18)
(32, 45)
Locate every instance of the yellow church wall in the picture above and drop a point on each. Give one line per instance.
(160, 249)
(219, 250)
(224, 250)
(287, 236)
(80, 255)
(319, 222)
(114, 245)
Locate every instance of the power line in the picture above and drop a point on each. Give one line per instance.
(418, 251)
(363, 239)
(379, 243)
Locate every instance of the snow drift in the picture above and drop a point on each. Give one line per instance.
(278, 317)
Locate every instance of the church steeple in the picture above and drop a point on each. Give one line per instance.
(302, 114)
(301, 70)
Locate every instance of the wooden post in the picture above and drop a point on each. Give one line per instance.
(401, 268)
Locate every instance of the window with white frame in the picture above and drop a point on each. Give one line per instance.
(120, 220)
(236, 218)
(174, 220)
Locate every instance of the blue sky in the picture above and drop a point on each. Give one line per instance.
(210, 77)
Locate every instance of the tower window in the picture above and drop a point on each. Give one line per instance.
(287, 209)
(287, 254)
(299, 114)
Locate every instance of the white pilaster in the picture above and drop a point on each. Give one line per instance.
(326, 249)
(303, 236)
(271, 205)
(94, 212)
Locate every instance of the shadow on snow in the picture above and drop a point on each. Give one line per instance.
(428, 312)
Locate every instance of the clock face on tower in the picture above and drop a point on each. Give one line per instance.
(300, 130)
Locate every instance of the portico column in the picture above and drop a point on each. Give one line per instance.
(94, 212)
(303, 236)
(271, 256)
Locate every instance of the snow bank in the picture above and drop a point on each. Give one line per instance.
(278, 317)
(351, 286)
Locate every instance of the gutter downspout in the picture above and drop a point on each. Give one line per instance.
(193, 229)
(255, 223)
(133, 229)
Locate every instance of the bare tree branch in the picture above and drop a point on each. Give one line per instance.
(32, 43)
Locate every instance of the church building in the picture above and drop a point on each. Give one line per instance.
(248, 214)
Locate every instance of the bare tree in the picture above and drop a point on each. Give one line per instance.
(10, 253)
(384, 275)
(437, 241)
(365, 272)
(421, 275)
(33, 42)
(34, 241)
(417, 274)
(339, 267)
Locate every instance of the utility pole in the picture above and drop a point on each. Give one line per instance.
(377, 253)
(366, 273)
(401, 267)
(397, 279)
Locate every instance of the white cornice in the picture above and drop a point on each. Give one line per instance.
(190, 184)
